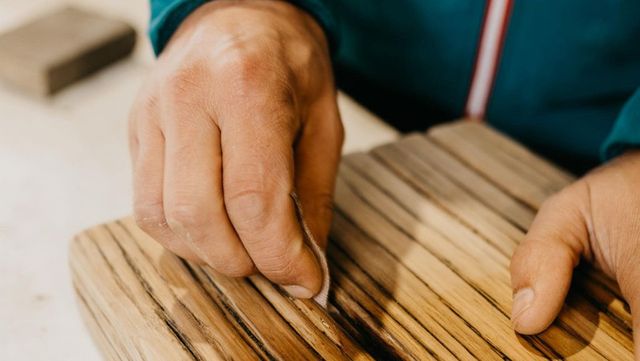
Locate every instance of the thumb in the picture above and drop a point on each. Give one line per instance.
(542, 265)
(316, 165)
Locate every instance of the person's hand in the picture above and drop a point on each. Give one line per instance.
(239, 111)
(596, 218)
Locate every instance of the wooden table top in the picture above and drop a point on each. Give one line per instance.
(419, 255)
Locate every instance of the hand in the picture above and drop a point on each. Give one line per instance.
(596, 218)
(238, 112)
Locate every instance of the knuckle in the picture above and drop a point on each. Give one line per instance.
(185, 83)
(144, 108)
(241, 63)
(187, 216)
(305, 54)
(235, 268)
(249, 73)
(248, 209)
(149, 104)
(149, 216)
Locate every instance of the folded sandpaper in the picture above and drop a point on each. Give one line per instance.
(322, 297)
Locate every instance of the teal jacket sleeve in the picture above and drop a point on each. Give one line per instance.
(625, 134)
(167, 15)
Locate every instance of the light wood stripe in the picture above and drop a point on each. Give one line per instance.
(462, 297)
(419, 255)
(522, 174)
(459, 173)
(500, 292)
(389, 313)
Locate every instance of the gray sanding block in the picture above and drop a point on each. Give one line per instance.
(53, 51)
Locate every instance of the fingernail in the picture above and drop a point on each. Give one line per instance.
(298, 291)
(522, 300)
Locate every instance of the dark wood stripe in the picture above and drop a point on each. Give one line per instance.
(420, 249)
(217, 296)
(338, 260)
(440, 306)
(200, 324)
(413, 156)
(471, 283)
(425, 157)
(442, 300)
(160, 310)
(491, 300)
(87, 307)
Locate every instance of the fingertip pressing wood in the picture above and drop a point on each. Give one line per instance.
(419, 255)
(51, 52)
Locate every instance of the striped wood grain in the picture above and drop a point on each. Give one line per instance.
(421, 240)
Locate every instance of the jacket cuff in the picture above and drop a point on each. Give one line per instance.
(167, 15)
(322, 14)
(626, 130)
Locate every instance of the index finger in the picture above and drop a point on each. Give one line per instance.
(257, 148)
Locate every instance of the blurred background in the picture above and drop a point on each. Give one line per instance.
(64, 166)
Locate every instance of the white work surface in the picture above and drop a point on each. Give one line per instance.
(64, 166)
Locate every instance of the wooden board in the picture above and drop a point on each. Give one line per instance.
(419, 256)
(51, 52)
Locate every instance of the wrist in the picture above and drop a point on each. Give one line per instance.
(248, 19)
